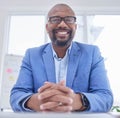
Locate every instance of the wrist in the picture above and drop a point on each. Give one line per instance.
(85, 102)
(33, 103)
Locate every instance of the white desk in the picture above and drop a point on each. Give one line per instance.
(57, 115)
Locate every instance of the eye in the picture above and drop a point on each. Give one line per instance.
(55, 20)
(70, 19)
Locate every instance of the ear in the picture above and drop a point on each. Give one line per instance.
(75, 26)
(47, 28)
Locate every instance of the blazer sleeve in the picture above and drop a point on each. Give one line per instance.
(99, 95)
(21, 91)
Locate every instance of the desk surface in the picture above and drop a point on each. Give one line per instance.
(58, 115)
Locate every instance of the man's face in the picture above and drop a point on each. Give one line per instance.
(61, 26)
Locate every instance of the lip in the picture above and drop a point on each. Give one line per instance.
(62, 33)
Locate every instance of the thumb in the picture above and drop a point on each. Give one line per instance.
(62, 82)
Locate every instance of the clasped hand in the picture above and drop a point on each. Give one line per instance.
(58, 98)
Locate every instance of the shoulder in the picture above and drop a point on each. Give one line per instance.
(85, 47)
(39, 49)
(89, 52)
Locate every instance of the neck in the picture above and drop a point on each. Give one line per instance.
(60, 51)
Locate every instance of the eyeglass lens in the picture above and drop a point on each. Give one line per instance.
(58, 19)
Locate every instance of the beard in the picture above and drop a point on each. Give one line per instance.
(62, 43)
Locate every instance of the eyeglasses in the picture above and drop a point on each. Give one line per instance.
(58, 19)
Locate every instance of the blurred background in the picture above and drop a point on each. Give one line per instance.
(22, 25)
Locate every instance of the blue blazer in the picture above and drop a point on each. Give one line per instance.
(86, 74)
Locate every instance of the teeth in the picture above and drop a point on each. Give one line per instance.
(62, 33)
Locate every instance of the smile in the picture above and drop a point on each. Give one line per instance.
(62, 33)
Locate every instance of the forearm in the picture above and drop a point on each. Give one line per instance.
(33, 103)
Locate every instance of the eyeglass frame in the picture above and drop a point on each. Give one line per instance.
(62, 19)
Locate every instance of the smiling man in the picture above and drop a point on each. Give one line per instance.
(63, 75)
(61, 25)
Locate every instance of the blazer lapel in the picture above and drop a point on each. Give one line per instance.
(74, 59)
(49, 63)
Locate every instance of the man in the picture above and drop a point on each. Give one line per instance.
(63, 75)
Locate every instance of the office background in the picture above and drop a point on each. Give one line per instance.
(98, 24)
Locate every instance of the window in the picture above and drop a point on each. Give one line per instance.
(104, 30)
(25, 32)
(79, 35)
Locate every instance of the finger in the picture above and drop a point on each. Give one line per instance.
(63, 89)
(48, 105)
(49, 93)
(54, 106)
(62, 108)
(62, 82)
(59, 86)
(47, 85)
(61, 99)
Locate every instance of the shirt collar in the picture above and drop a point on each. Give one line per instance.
(54, 53)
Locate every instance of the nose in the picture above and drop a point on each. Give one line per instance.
(62, 24)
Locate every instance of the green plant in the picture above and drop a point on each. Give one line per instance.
(115, 109)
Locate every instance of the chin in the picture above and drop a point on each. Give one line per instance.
(62, 43)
